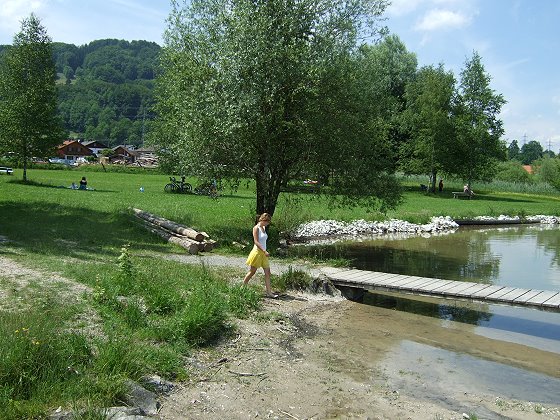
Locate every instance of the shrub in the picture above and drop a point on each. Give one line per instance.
(512, 171)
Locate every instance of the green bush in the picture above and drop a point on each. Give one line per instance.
(512, 171)
(548, 170)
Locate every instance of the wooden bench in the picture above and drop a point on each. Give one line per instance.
(459, 194)
(6, 170)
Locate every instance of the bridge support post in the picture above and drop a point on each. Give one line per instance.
(355, 294)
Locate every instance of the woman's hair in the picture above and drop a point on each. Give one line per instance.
(264, 217)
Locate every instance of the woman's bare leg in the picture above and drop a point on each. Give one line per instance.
(250, 274)
(267, 281)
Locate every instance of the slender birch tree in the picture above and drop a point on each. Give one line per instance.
(29, 125)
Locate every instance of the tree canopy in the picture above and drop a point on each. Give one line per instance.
(430, 121)
(478, 145)
(29, 124)
(260, 89)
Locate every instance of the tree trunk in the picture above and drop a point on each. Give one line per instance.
(24, 170)
(433, 181)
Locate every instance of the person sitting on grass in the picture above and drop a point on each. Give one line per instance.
(83, 183)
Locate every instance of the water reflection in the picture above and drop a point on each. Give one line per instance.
(517, 320)
(525, 256)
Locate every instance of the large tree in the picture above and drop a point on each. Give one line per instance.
(429, 120)
(530, 152)
(477, 147)
(255, 88)
(29, 125)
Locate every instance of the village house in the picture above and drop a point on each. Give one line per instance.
(95, 146)
(122, 154)
(71, 150)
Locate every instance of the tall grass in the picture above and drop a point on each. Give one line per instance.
(153, 312)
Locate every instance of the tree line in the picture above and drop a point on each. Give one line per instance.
(281, 90)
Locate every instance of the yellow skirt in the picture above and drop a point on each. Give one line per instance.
(257, 258)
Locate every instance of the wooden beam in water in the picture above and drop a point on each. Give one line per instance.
(375, 280)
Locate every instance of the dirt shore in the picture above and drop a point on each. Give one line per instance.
(308, 356)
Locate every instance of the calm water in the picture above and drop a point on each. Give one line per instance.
(518, 256)
(522, 256)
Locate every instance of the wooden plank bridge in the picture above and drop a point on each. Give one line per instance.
(360, 280)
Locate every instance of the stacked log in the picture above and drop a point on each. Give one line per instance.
(190, 239)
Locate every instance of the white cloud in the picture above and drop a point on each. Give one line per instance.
(12, 12)
(438, 19)
(403, 7)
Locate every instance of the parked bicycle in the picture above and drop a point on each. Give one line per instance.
(208, 188)
(178, 187)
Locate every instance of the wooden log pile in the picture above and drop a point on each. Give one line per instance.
(190, 239)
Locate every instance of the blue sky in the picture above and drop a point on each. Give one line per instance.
(518, 41)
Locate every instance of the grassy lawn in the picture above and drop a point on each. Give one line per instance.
(144, 313)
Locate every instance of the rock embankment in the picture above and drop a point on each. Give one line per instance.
(439, 224)
(320, 228)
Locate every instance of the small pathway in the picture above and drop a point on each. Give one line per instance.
(276, 266)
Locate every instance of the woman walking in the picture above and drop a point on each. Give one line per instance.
(258, 257)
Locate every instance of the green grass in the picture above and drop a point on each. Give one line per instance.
(150, 312)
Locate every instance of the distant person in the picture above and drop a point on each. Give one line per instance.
(73, 186)
(440, 186)
(83, 183)
(467, 189)
(258, 257)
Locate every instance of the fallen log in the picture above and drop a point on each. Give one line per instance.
(169, 225)
(209, 245)
(191, 246)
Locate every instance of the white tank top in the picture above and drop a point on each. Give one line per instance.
(263, 236)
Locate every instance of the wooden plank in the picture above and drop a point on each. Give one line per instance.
(395, 279)
(433, 286)
(476, 287)
(418, 282)
(456, 288)
(499, 293)
(403, 281)
(444, 287)
(553, 301)
(423, 285)
(387, 280)
(514, 294)
(531, 294)
(542, 297)
(486, 291)
(350, 274)
(382, 278)
(550, 302)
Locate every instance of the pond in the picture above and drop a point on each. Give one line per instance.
(525, 256)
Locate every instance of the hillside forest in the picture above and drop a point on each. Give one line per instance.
(105, 89)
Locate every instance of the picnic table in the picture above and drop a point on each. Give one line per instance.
(459, 194)
(6, 170)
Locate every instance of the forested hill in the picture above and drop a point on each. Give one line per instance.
(106, 89)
